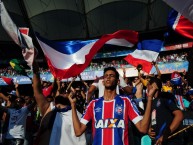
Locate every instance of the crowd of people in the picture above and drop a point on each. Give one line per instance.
(100, 65)
(123, 110)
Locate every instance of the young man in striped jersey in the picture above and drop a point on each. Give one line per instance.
(110, 114)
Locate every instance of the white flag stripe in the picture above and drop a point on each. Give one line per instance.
(13, 31)
(176, 21)
(68, 60)
(120, 42)
(145, 54)
(8, 24)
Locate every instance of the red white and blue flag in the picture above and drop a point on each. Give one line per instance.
(70, 58)
(185, 7)
(180, 24)
(146, 52)
(19, 36)
(7, 80)
(176, 78)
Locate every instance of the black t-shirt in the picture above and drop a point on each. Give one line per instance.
(162, 116)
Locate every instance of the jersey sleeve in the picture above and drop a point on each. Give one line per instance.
(133, 112)
(88, 115)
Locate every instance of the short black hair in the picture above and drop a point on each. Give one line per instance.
(157, 81)
(62, 100)
(12, 98)
(113, 69)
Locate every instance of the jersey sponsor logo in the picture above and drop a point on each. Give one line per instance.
(110, 123)
(98, 109)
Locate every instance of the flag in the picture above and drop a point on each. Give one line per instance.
(146, 52)
(16, 65)
(176, 78)
(70, 58)
(19, 36)
(180, 24)
(180, 102)
(185, 7)
(8, 81)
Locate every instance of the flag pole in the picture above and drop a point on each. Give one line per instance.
(180, 131)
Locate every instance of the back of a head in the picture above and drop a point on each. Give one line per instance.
(112, 69)
(156, 81)
(62, 100)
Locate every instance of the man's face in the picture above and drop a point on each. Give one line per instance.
(19, 102)
(168, 83)
(27, 99)
(110, 81)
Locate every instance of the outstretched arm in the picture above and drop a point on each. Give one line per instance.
(69, 86)
(40, 99)
(143, 125)
(157, 69)
(90, 92)
(4, 97)
(17, 90)
(83, 82)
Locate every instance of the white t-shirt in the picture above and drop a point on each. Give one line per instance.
(17, 123)
(98, 83)
(63, 130)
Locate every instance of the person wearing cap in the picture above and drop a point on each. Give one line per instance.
(16, 121)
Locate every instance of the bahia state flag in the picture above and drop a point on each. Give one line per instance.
(146, 52)
(185, 7)
(180, 24)
(70, 58)
(19, 35)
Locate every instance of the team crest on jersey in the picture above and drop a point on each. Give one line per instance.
(119, 109)
(158, 103)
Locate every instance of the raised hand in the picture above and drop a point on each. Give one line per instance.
(71, 99)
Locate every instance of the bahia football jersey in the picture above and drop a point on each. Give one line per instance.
(110, 120)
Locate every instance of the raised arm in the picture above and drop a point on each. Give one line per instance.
(143, 125)
(58, 86)
(83, 82)
(79, 128)
(157, 69)
(69, 86)
(4, 97)
(90, 92)
(17, 89)
(40, 99)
